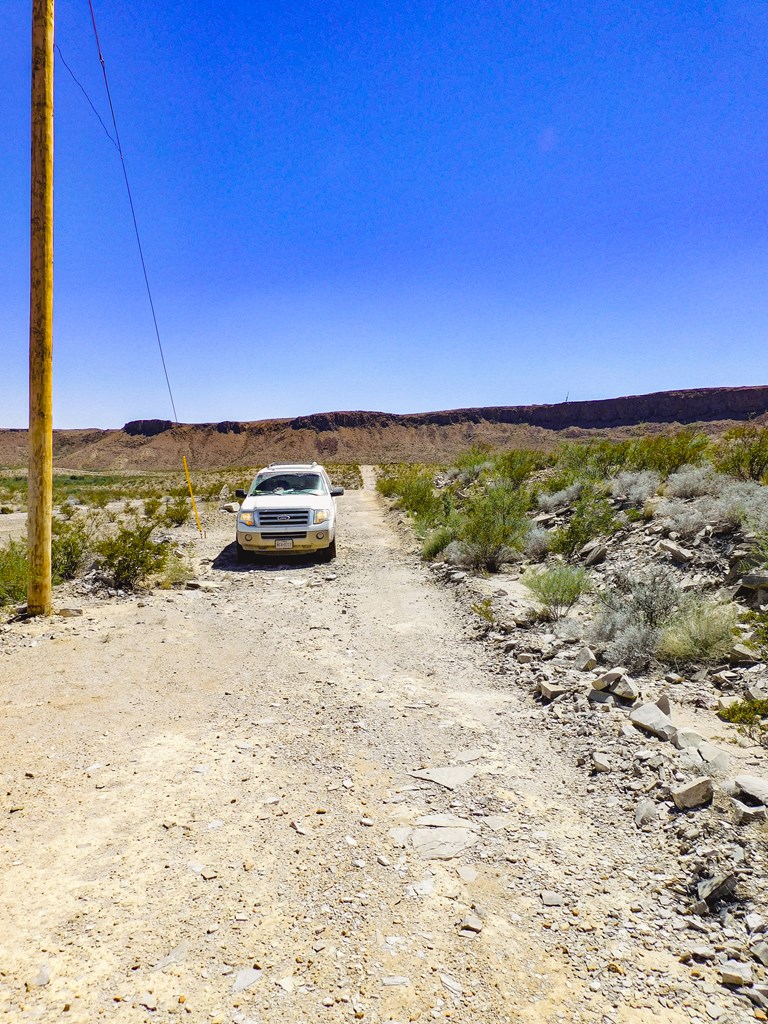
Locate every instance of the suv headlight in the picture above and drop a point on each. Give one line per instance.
(247, 518)
(322, 515)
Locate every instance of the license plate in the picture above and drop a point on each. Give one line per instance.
(282, 544)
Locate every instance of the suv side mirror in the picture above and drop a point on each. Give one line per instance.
(240, 493)
(336, 492)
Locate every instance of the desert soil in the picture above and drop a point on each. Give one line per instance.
(209, 813)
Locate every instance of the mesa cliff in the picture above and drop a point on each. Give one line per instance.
(361, 436)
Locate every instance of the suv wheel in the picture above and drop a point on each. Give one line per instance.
(241, 555)
(330, 552)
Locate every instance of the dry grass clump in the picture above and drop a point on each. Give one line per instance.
(700, 631)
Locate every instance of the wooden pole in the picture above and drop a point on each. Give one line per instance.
(40, 499)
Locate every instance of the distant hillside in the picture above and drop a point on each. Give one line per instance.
(389, 437)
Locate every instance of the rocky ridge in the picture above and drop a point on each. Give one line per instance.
(376, 437)
(657, 758)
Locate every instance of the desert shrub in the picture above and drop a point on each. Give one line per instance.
(636, 487)
(743, 452)
(494, 525)
(417, 496)
(557, 588)
(758, 636)
(747, 502)
(131, 555)
(549, 501)
(631, 613)
(177, 511)
(71, 545)
(666, 453)
(699, 631)
(458, 553)
(176, 571)
(588, 460)
(471, 463)
(516, 466)
(633, 645)
(14, 573)
(484, 609)
(592, 517)
(751, 718)
(536, 543)
(695, 482)
(738, 503)
(415, 493)
(684, 518)
(437, 541)
(152, 506)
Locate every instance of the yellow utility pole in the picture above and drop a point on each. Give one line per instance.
(40, 499)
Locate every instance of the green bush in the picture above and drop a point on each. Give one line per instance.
(758, 622)
(130, 555)
(750, 716)
(700, 631)
(415, 493)
(494, 525)
(152, 506)
(177, 511)
(516, 466)
(592, 517)
(743, 452)
(437, 541)
(557, 588)
(14, 573)
(666, 453)
(587, 460)
(71, 545)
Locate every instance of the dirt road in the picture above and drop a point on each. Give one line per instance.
(210, 813)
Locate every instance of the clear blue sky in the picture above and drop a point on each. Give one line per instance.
(397, 206)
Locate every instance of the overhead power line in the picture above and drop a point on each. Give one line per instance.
(116, 140)
(81, 87)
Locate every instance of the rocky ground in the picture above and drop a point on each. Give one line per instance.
(309, 793)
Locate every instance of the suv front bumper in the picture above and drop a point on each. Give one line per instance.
(266, 541)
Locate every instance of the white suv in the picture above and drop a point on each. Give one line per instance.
(288, 508)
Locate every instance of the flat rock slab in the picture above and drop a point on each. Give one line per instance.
(443, 821)
(246, 978)
(176, 956)
(652, 719)
(693, 794)
(718, 888)
(688, 738)
(448, 777)
(442, 843)
(754, 786)
(495, 822)
(550, 898)
(466, 756)
(716, 759)
(757, 580)
(677, 553)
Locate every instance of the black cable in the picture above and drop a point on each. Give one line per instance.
(133, 211)
(82, 90)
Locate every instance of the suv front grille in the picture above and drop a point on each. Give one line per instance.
(284, 517)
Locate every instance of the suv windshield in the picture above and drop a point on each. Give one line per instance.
(288, 483)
